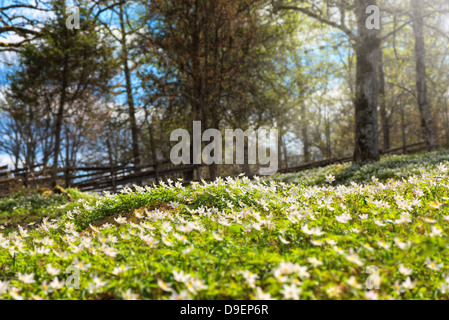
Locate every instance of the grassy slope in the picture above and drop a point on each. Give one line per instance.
(390, 167)
(243, 240)
(30, 207)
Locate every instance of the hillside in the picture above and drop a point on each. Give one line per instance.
(311, 235)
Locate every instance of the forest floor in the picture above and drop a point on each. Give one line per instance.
(328, 233)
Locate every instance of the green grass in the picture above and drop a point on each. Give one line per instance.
(241, 239)
(390, 167)
(29, 207)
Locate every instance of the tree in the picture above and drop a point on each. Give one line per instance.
(383, 105)
(366, 44)
(66, 66)
(19, 18)
(203, 55)
(129, 90)
(421, 82)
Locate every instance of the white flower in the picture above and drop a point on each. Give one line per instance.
(338, 250)
(330, 178)
(408, 284)
(435, 205)
(121, 269)
(286, 267)
(442, 167)
(383, 244)
(317, 231)
(56, 284)
(112, 239)
(405, 271)
(196, 285)
(138, 214)
(379, 223)
(166, 227)
(217, 236)
(14, 293)
(150, 241)
(371, 295)
(354, 259)
(283, 240)
(183, 295)
(3, 286)
(26, 278)
(280, 276)
(436, 232)
(164, 285)
(353, 283)
(315, 262)
(433, 265)
(120, 220)
(98, 282)
(180, 276)
(291, 292)
(260, 295)
(129, 295)
(188, 250)
(301, 271)
(444, 288)
(111, 252)
(306, 230)
(250, 278)
(52, 271)
(81, 265)
(167, 242)
(401, 245)
(333, 292)
(344, 218)
(43, 250)
(23, 232)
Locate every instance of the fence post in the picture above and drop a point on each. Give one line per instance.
(114, 187)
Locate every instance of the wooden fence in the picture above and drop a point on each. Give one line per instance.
(89, 178)
(115, 178)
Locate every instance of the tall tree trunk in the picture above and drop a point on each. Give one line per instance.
(129, 94)
(246, 167)
(403, 130)
(47, 142)
(281, 162)
(446, 117)
(421, 83)
(328, 136)
(67, 160)
(383, 105)
(367, 87)
(58, 123)
(152, 145)
(112, 165)
(285, 152)
(304, 132)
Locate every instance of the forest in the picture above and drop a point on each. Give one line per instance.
(224, 151)
(104, 83)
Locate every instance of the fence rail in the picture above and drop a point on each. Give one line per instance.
(113, 178)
